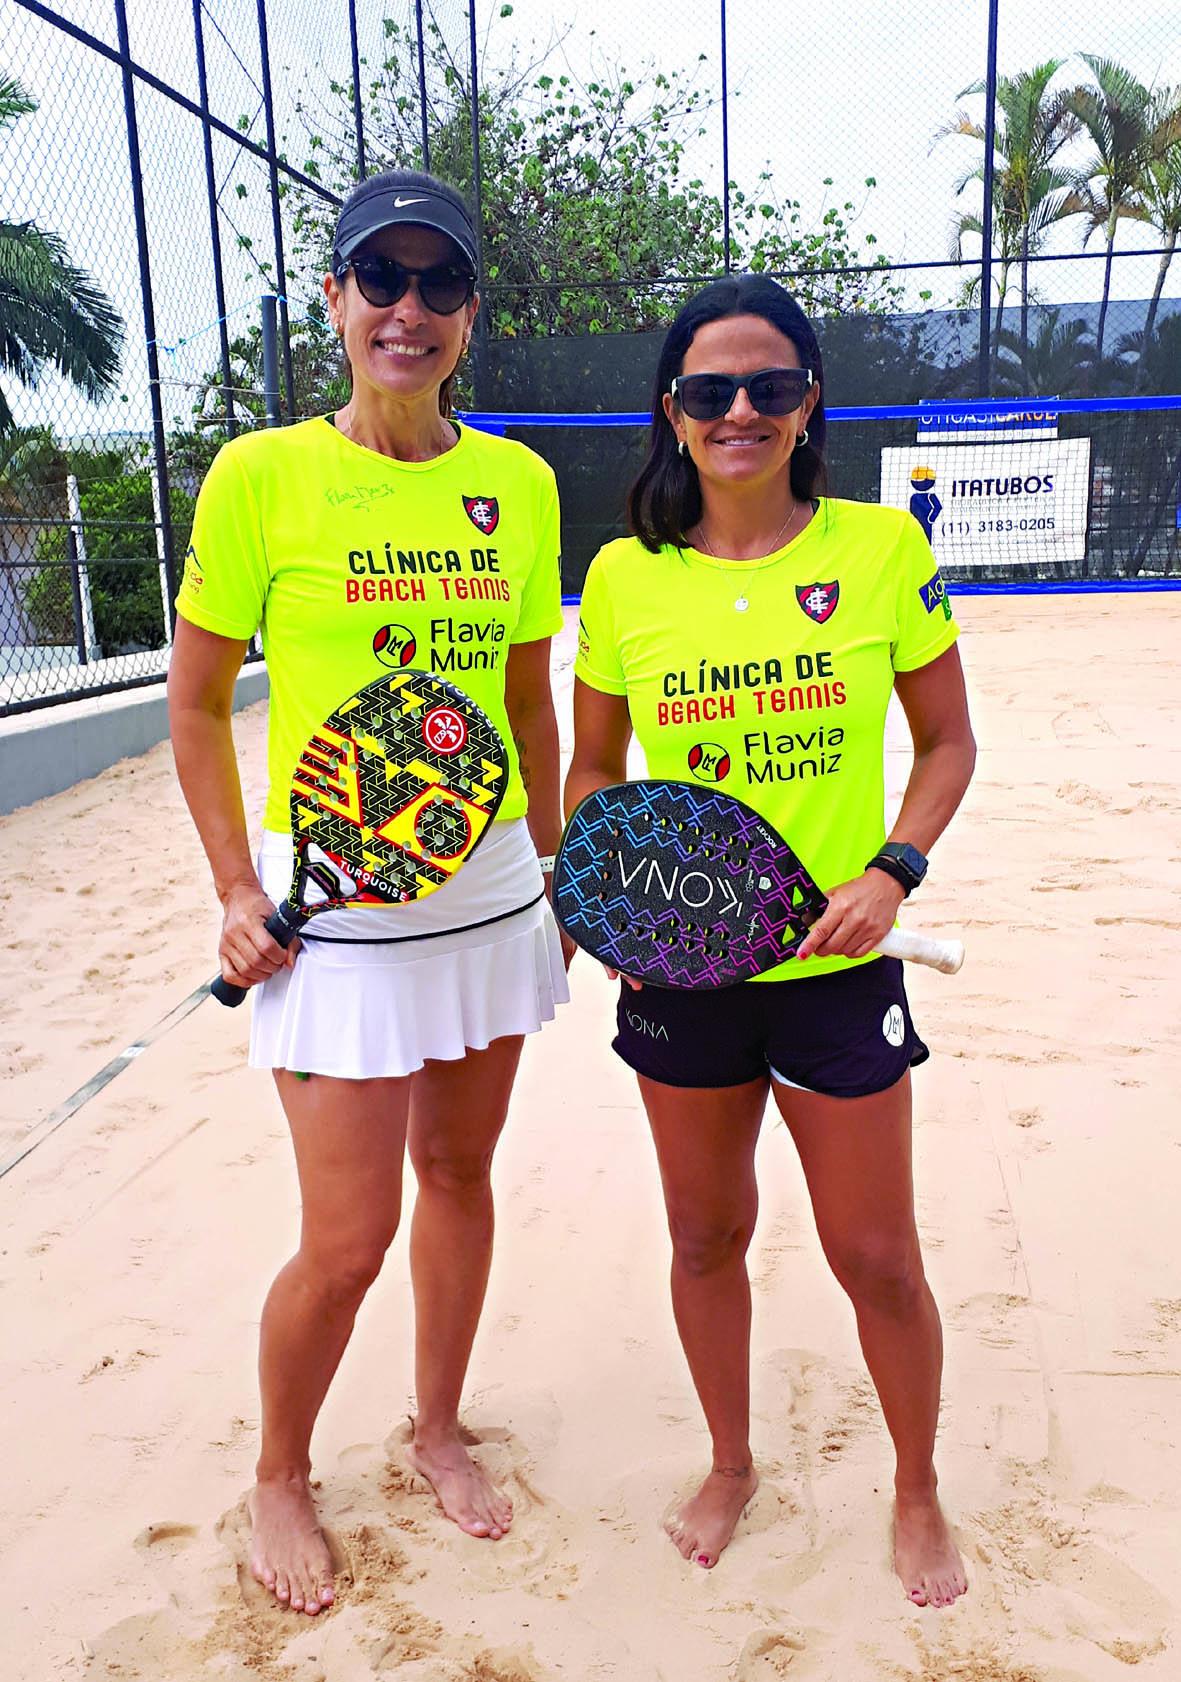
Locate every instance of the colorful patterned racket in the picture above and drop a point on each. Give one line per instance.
(391, 794)
(678, 886)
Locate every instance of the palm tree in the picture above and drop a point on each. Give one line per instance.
(51, 313)
(1158, 356)
(1117, 114)
(1055, 364)
(1030, 191)
(1157, 199)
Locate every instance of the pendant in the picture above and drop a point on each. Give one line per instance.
(741, 605)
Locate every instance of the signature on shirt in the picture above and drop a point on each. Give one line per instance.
(357, 496)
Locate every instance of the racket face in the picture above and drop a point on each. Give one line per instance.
(392, 793)
(680, 887)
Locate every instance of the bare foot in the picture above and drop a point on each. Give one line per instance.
(701, 1526)
(925, 1556)
(288, 1553)
(462, 1487)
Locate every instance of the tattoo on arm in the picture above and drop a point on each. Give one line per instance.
(519, 744)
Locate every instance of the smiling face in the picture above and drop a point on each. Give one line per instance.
(405, 351)
(742, 447)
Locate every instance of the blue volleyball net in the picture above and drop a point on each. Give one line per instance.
(1025, 495)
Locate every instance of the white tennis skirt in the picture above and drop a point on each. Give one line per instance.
(439, 989)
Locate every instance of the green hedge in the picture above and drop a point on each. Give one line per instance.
(117, 520)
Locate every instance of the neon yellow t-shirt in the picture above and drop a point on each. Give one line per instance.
(770, 678)
(351, 563)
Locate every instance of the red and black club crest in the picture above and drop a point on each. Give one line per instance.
(483, 512)
(819, 601)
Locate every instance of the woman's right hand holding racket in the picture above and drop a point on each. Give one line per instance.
(247, 952)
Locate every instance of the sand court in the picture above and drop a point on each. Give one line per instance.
(140, 1236)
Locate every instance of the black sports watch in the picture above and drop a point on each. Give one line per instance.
(901, 861)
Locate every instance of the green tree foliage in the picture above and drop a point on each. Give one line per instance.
(120, 537)
(1056, 363)
(1116, 111)
(592, 218)
(1156, 199)
(52, 314)
(1030, 188)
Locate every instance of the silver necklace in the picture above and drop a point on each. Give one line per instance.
(741, 604)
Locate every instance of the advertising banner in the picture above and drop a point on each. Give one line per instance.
(984, 504)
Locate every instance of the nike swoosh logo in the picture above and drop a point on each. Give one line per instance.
(400, 204)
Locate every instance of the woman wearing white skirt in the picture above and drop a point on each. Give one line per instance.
(386, 533)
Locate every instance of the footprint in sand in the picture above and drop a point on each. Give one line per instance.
(501, 1665)
(766, 1655)
(167, 1537)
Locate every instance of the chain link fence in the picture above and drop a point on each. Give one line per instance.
(973, 201)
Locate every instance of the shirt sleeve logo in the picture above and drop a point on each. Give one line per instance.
(483, 512)
(933, 594)
(819, 601)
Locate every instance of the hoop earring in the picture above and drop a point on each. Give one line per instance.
(682, 447)
(802, 439)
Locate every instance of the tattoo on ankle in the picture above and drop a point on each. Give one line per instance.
(733, 1471)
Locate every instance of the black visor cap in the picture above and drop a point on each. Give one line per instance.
(395, 207)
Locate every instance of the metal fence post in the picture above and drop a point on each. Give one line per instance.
(159, 442)
(984, 375)
(270, 359)
(268, 96)
(214, 231)
(725, 145)
(157, 509)
(480, 335)
(426, 143)
(84, 631)
(358, 117)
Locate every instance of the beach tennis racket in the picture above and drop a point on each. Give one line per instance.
(679, 887)
(389, 797)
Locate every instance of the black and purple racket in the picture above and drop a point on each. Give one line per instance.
(678, 886)
(390, 796)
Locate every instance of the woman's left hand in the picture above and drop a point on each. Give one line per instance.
(859, 913)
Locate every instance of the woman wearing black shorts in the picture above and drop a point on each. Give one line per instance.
(752, 632)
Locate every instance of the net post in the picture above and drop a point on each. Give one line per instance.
(984, 375)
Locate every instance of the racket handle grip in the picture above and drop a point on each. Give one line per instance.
(226, 993)
(944, 955)
(282, 931)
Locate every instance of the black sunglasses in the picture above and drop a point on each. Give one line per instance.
(772, 391)
(443, 288)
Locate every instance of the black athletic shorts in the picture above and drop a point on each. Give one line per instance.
(845, 1034)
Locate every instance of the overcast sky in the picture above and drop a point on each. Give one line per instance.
(839, 88)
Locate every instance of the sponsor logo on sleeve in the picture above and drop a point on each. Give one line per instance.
(933, 594)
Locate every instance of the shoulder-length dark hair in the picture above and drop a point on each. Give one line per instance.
(665, 500)
(395, 179)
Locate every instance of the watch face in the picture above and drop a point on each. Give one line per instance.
(911, 859)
